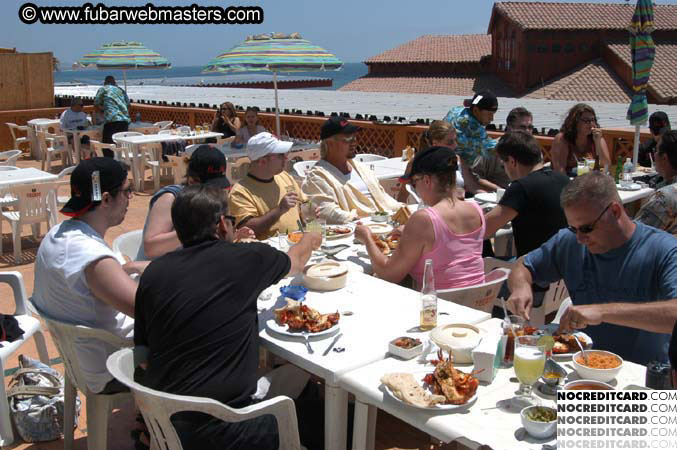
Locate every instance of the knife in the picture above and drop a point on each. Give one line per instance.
(338, 336)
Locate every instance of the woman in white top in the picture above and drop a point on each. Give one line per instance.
(250, 128)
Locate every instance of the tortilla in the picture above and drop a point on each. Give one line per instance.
(405, 387)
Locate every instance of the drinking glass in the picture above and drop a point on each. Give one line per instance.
(581, 168)
(282, 242)
(198, 129)
(590, 163)
(515, 328)
(529, 365)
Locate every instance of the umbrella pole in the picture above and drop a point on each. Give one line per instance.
(124, 77)
(277, 109)
(635, 147)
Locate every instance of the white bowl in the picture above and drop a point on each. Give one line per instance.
(459, 338)
(603, 375)
(325, 276)
(595, 385)
(404, 353)
(539, 430)
(380, 217)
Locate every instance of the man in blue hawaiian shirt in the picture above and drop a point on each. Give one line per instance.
(470, 122)
(113, 101)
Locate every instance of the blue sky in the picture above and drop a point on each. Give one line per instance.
(353, 30)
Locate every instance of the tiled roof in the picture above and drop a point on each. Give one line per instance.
(429, 85)
(447, 48)
(594, 81)
(580, 16)
(663, 79)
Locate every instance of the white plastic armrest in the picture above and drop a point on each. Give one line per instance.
(16, 282)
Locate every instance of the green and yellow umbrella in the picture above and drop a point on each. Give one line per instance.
(124, 56)
(274, 53)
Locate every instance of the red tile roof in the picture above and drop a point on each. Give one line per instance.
(579, 16)
(663, 79)
(594, 81)
(429, 48)
(430, 85)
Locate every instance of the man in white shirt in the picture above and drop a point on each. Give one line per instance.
(78, 278)
(341, 188)
(74, 117)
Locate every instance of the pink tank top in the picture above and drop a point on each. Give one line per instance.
(457, 258)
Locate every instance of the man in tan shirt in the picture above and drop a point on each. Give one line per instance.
(266, 199)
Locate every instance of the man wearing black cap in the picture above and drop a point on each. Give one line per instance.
(658, 124)
(113, 101)
(78, 278)
(207, 165)
(472, 140)
(342, 188)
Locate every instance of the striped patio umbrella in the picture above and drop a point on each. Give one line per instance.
(274, 53)
(124, 56)
(643, 53)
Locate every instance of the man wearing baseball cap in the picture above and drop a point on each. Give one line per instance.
(207, 165)
(658, 124)
(470, 121)
(266, 199)
(78, 277)
(342, 188)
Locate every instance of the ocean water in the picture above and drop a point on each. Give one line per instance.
(191, 75)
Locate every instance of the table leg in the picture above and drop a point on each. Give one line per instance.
(364, 426)
(335, 418)
(137, 172)
(76, 148)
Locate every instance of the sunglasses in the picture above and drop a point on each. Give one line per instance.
(347, 140)
(586, 229)
(589, 120)
(229, 218)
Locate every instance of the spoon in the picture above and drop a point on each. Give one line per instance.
(333, 249)
(585, 358)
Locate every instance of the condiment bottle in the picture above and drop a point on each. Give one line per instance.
(428, 313)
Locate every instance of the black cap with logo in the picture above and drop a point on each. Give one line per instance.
(208, 165)
(337, 125)
(484, 100)
(112, 174)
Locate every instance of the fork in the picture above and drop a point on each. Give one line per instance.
(307, 342)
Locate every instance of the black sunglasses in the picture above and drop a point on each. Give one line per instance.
(585, 229)
(229, 218)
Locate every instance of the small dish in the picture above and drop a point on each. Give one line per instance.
(325, 276)
(540, 429)
(459, 338)
(380, 217)
(403, 352)
(587, 385)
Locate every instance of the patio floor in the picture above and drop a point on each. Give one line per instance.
(391, 433)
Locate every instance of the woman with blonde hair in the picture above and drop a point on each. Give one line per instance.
(440, 134)
(580, 138)
(450, 231)
(251, 126)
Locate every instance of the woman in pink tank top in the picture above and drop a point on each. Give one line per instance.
(450, 231)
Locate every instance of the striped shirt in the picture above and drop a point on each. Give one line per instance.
(114, 102)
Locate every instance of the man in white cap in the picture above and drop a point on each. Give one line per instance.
(266, 199)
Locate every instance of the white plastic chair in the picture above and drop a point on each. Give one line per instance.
(237, 170)
(125, 152)
(9, 157)
(153, 160)
(480, 296)
(369, 157)
(33, 208)
(32, 328)
(128, 244)
(303, 167)
(18, 141)
(163, 125)
(562, 309)
(179, 168)
(98, 406)
(164, 132)
(52, 144)
(61, 199)
(158, 407)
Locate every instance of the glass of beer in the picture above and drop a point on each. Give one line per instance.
(529, 364)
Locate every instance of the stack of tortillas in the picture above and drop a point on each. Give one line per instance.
(402, 215)
(405, 387)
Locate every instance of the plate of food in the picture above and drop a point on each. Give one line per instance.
(632, 187)
(564, 345)
(339, 231)
(386, 243)
(445, 388)
(295, 318)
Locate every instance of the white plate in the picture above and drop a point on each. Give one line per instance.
(284, 330)
(633, 187)
(418, 376)
(380, 229)
(486, 197)
(340, 236)
(579, 334)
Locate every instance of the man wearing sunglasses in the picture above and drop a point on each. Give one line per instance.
(78, 277)
(621, 275)
(342, 188)
(196, 311)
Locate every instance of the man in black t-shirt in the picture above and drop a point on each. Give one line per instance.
(531, 201)
(196, 312)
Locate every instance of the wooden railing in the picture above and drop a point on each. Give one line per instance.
(387, 140)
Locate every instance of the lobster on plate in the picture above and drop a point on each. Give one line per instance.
(458, 387)
(300, 317)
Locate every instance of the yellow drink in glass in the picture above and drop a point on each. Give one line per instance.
(529, 364)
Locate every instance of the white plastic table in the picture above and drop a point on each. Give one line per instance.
(485, 422)
(381, 312)
(134, 144)
(24, 176)
(35, 125)
(387, 168)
